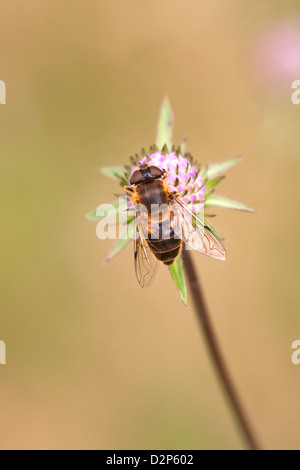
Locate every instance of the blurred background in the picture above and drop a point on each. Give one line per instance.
(93, 362)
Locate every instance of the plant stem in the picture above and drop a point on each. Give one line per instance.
(215, 351)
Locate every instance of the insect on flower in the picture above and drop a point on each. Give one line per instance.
(169, 197)
(164, 223)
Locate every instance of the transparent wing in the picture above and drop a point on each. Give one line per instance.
(195, 233)
(145, 262)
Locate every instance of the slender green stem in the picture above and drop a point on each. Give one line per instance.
(215, 351)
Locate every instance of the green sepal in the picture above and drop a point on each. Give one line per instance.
(120, 244)
(115, 172)
(183, 147)
(177, 272)
(209, 185)
(165, 125)
(93, 217)
(219, 201)
(214, 170)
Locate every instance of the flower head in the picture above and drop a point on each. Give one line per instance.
(183, 174)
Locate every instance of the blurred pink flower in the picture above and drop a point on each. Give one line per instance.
(276, 54)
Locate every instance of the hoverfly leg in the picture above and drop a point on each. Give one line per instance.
(129, 190)
(185, 192)
(173, 195)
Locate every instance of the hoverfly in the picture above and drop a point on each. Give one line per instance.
(164, 223)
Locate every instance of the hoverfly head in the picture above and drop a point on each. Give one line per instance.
(145, 173)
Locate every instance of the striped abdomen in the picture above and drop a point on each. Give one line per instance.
(161, 237)
(165, 250)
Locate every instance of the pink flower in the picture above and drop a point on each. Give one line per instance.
(182, 175)
(276, 54)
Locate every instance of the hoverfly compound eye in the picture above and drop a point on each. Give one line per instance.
(156, 172)
(136, 177)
